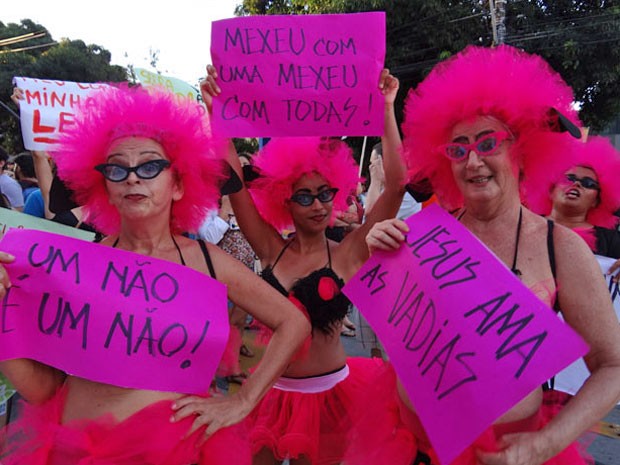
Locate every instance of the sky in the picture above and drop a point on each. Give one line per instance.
(179, 29)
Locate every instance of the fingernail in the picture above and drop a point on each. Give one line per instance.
(172, 420)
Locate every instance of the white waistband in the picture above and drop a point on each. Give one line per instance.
(312, 385)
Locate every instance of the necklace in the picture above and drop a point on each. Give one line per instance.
(513, 268)
(173, 241)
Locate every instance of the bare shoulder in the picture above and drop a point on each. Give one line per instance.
(569, 243)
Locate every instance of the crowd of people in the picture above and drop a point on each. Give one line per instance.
(491, 133)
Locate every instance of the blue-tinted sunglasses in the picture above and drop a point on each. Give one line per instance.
(305, 199)
(147, 170)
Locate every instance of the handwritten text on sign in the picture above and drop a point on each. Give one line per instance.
(180, 88)
(48, 109)
(110, 315)
(307, 75)
(466, 338)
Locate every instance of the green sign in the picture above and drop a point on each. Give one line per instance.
(179, 87)
(14, 219)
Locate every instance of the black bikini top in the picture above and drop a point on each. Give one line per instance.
(319, 293)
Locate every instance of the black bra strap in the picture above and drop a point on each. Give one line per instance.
(281, 253)
(205, 252)
(179, 251)
(329, 254)
(551, 252)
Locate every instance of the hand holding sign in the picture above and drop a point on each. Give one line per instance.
(5, 281)
(209, 88)
(389, 86)
(387, 235)
(458, 326)
(613, 272)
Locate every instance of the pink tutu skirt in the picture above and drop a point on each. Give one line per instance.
(391, 433)
(146, 438)
(312, 424)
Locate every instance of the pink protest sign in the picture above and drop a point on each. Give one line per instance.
(110, 315)
(306, 75)
(48, 109)
(467, 339)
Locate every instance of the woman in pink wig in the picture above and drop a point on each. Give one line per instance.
(144, 166)
(581, 193)
(473, 127)
(303, 183)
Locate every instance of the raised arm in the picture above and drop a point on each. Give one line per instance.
(263, 238)
(389, 200)
(42, 168)
(43, 171)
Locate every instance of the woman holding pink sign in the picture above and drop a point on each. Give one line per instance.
(302, 183)
(475, 126)
(146, 168)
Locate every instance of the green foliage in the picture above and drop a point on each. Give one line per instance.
(579, 38)
(246, 145)
(68, 60)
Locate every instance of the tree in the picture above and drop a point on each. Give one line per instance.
(69, 60)
(579, 38)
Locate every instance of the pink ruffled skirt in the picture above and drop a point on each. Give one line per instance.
(312, 424)
(390, 433)
(146, 438)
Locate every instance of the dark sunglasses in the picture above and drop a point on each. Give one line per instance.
(587, 182)
(306, 199)
(485, 146)
(147, 170)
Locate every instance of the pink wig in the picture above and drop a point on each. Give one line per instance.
(514, 87)
(599, 155)
(178, 124)
(284, 161)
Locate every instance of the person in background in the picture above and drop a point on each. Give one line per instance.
(581, 191)
(474, 127)
(25, 174)
(408, 206)
(9, 187)
(144, 166)
(212, 228)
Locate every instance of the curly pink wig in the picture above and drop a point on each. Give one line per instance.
(178, 124)
(514, 87)
(283, 161)
(600, 156)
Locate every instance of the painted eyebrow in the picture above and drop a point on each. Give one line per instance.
(145, 152)
(464, 139)
(309, 191)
